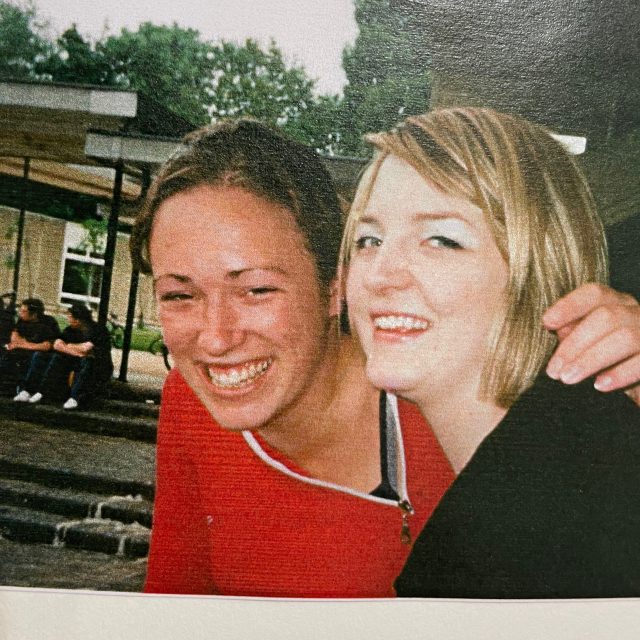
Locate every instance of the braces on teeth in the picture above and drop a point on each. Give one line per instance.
(239, 377)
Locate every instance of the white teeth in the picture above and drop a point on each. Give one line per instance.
(235, 378)
(399, 322)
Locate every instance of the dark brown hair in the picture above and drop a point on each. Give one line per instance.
(247, 154)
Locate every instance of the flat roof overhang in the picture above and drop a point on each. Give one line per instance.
(50, 121)
(91, 181)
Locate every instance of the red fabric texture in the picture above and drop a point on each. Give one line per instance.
(227, 523)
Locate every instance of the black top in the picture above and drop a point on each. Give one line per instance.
(45, 330)
(388, 451)
(101, 340)
(76, 335)
(548, 506)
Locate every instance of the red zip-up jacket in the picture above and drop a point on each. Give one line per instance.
(235, 518)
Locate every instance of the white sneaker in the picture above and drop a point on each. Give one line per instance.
(36, 397)
(23, 396)
(70, 404)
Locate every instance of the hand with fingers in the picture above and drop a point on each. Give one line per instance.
(599, 333)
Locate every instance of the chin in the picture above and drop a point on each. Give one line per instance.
(232, 411)
(392, 380)
(238, 421)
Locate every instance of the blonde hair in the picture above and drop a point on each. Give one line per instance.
(537, 204)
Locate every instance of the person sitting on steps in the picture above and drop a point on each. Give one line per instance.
(34, 333)
(84, 349)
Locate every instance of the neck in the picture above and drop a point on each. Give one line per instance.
(460, 421)
(337, 437)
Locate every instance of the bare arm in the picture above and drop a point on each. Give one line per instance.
(18, 342)
(599, 332)
(79, 350)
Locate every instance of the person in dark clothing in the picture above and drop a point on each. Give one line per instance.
(7, 322)
(84, 349)
(34, 333)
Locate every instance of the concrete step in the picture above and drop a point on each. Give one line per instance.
(132, 392)
(149, 409)
(75, 503)
(135, 421)
(76, 460)
(91, 534)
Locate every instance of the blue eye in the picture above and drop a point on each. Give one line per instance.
(442, 242)
(366, 242)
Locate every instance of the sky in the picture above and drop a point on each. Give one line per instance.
(311, 33)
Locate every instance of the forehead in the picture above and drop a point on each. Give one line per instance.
(224, 226)
(398, 185)
(399, 189)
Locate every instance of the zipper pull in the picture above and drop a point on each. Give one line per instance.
(405, 532)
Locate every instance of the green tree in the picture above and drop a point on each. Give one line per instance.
(387, 73)
(73, 59)
(322, 125)
(21, 39)
(248, 81)
(171, 64)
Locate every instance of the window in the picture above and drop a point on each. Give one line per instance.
(82, 266)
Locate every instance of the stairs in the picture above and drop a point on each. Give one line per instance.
(79, 480)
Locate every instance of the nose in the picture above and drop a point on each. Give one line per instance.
(220, 329)
(388, 270)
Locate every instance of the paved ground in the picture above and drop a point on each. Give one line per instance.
(44, 566)
(35, 565)
(77, 453)
(144, 368)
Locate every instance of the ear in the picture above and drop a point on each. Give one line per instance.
(335, 298)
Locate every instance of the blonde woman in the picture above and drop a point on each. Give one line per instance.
(466, 227)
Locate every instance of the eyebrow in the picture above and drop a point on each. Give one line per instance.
(174, 276)
(273, 268)
(420, 216)
(233, 275)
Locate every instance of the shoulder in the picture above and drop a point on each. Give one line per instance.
(547, 506)
(185, 422)
(67, 333)
(569, 416)
(50, 321)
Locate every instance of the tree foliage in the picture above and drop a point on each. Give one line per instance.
(171, 64)
(199, 80)
(73, 59)
(248, 81)
(387, 73)
(21, 40)
(386, 69)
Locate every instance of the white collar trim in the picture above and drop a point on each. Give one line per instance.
(392, 403)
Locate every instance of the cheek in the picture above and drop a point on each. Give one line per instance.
(353, 289)
(475, 288)
(178, 330)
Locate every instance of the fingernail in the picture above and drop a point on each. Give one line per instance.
(571, 375)
(603, 384)
(554, 368)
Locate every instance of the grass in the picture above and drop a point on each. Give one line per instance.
(142, 339)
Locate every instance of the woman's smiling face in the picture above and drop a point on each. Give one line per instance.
(425, 284)
(241, 306)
